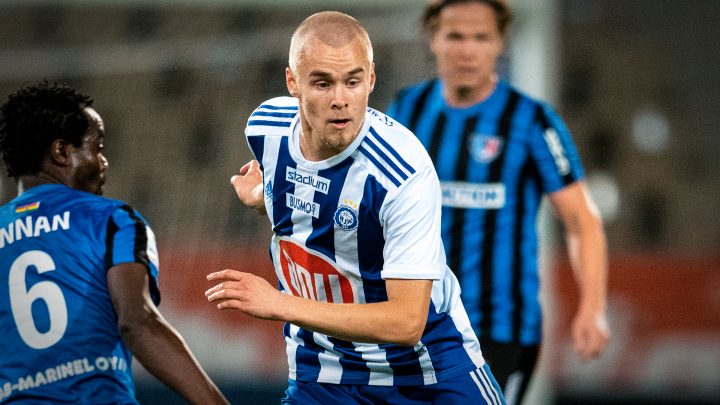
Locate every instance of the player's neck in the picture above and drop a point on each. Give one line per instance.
(29, 181)
(465, 96)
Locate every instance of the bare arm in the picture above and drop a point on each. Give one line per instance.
(248, 186)
(400, 320)
(587, 249)
(153, 341)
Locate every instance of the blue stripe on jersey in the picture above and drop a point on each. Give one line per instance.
(282, 218)
(379, 165)
(392, 151)
(383, 156)
(257, 145)
(268, 123)
(307, 355)
(273, 114)
(275, 107)
(370, 255)
(451, 349)
(350, 359)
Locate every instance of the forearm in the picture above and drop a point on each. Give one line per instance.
(380, 322)
(587, 249)
(165, 354)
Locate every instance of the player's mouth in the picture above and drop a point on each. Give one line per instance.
(340, 123)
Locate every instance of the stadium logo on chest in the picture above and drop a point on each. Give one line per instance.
(485, 148)
(319, 183)
(346, 216)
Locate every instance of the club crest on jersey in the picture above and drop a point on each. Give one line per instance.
(346, 216)
(485, 148)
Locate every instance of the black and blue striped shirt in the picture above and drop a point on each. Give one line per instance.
(495, 160)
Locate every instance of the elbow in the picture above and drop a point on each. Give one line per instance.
(410, 331)
(133, 327)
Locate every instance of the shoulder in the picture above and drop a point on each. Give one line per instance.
(105, 208)
(394, 149)
(272, 117)
(538, 112)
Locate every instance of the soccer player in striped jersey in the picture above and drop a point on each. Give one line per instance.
(78, 271)
(373, 314)
(497, 152)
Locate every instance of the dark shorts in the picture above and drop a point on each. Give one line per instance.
(512, 366)
(476, 387)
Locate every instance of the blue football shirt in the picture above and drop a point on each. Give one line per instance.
(495, 160)
(61, 343)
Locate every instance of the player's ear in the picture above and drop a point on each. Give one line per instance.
(291, 82)
(60, 151)
(372, 76)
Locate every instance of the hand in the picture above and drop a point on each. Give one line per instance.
(246, 292)
(248, 185)
(590, 333)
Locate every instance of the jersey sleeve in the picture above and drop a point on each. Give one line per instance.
(413, 248)
(131, 240)
(552, 149)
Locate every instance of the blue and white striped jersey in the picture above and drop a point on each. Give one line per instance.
(495, 160)
(344, 225)
(60, 339)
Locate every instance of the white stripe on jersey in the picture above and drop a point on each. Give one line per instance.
(291, 346)
(426, 363)
(330, 368)
(491, 387)
(380, 371)
(481, 387)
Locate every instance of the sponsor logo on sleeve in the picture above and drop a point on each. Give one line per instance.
(558, 152)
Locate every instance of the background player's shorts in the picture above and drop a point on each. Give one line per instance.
(476, 387)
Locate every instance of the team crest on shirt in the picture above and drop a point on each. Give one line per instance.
(485, 148)
(346, 216)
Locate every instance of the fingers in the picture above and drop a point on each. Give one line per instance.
(227, 274)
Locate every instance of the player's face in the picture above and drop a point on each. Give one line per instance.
(87, 162)
(466, 46)
(333, 86)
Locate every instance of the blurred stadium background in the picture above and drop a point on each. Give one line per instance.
(636, 80)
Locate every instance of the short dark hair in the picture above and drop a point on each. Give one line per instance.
(431, 15)
(33, 117)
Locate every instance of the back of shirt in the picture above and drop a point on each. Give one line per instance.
(61, 343)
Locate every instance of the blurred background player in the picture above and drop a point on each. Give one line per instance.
(373, 313)
(497, 152)
(78, 271)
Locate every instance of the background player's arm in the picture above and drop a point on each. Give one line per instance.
(400, 320)
(248, 186)
(152, 340)
(587, 250)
